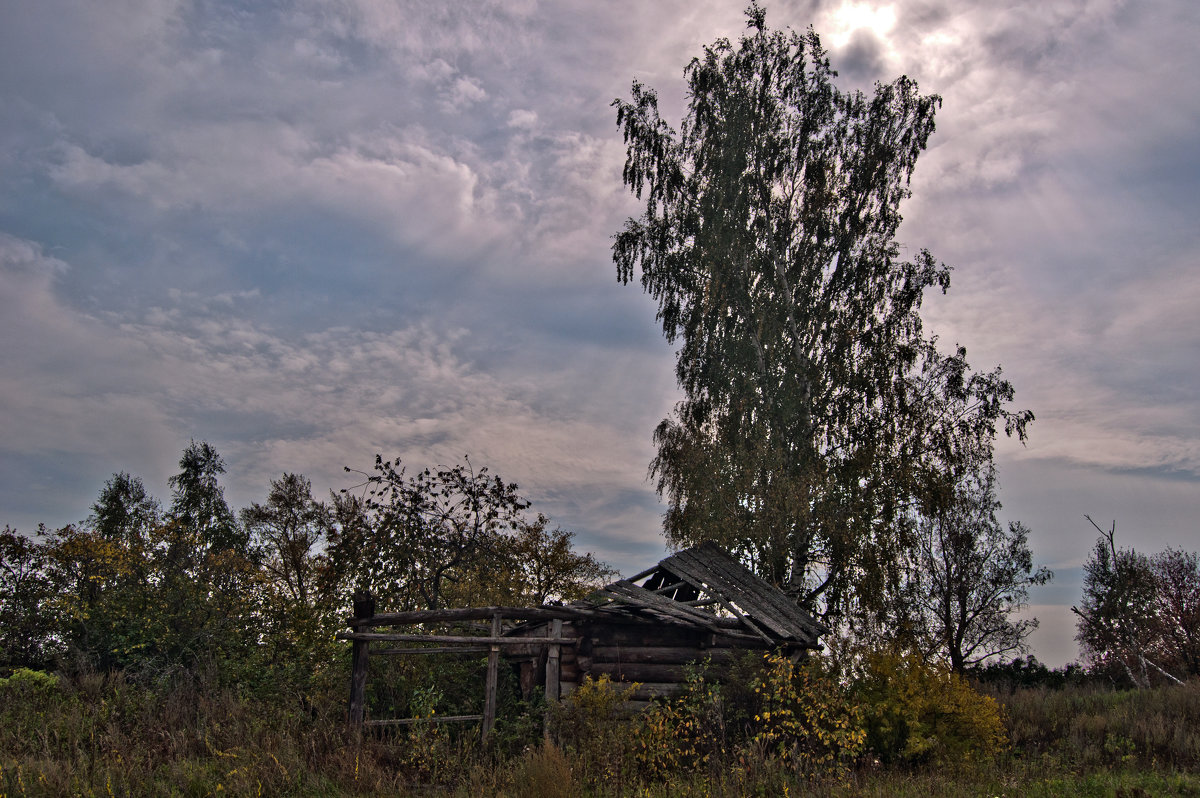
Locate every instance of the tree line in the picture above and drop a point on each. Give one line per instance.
(140, 586)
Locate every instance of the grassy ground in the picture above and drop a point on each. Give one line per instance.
(101, 735)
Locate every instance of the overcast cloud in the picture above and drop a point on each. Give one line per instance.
(309, 232)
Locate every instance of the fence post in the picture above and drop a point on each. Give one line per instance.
(489, 695)
(553, 672)
(553, 660)
(364, 607)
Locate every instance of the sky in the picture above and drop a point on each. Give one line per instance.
(313, 231)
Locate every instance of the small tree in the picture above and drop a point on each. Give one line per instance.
(28, 624)
(1177, 608)
(412, 534)
(198, 504)
(1118, 625)
(549, 567)
(970, 576)
(124, 510)
(289, 527)
(208, 585)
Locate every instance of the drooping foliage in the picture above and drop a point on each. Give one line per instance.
(768, 241)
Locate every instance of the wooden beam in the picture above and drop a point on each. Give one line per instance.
(471, 614)
(553, 663)
(489, 694)
(647, 690)
(434, 719)
(363, 606)
(553, 675)
(383, 652)
(466, 640)
(642, 672)
(666, 655)
(641, 598)
(642, 575)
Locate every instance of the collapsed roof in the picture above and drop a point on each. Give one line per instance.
(705, 587)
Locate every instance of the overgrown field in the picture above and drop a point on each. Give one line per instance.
(896, 729)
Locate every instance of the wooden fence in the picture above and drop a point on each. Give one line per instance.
(364, 618)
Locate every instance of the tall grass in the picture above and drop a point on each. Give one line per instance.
(98, 734)
(1098, 728)
(106, 734)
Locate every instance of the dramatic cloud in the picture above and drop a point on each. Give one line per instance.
(310, 232)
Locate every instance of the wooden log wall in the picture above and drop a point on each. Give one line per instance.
(654, 655)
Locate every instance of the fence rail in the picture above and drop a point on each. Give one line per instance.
(364, 617)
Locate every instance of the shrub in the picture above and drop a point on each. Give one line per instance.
(545, 772)
(915, 712)
(1008, 677)
(685, 733)
(806, 715)
(26, 683)
(593, 727)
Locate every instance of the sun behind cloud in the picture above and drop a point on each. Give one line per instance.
(852, 17)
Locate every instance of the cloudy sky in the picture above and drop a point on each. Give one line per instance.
(310, 231)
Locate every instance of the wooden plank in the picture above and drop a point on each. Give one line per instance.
(764, 599)
(646, 633)
(745, 619)
(667, 655)
(489, 691)
(640, 671)
(744, 641)
(642, 574)
(439, 650)
(648, 690)
(693, 570)
(553, 674)
(731, 582)
(406, 638)
(434, 719)
(469, 614)
(639, 596)
(755, 596)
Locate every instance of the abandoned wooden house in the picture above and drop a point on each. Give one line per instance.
(697, 604)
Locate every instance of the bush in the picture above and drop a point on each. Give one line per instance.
(806, 716)
(916, 712)
(593, 727)
(544, 771)
(682, 734)
(1008, 677)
